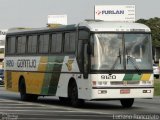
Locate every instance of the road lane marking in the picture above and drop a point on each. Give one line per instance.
(50, 106)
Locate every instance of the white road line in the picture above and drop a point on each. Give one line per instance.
(38, 111)
(50, 111)
(11, 107)
(12, 104)
(58, 107)
(51, 119)
(50, 115)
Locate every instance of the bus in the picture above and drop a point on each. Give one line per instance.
(91, 60)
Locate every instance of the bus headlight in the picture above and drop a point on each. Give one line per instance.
(102, 91)
(146, 91)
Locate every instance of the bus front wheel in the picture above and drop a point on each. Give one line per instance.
(73, 95)
(64, 100)
(127, 103)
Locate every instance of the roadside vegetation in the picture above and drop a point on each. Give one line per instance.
(157, 87)
(154, 24)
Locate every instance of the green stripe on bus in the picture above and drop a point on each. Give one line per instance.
(128, 77)
(136, 77)
(46, 82)
(54, 64)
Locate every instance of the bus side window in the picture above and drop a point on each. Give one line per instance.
(21, 44)
(70, 42)
(32, 44)
(66, 43)
(56, 43)
(44, 43)
(11, 42)
(8, 44)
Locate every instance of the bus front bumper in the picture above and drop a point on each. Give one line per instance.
(123, 92)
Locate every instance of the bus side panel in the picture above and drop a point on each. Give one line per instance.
(84, 91)
(62, 90)
(11, 81)
(70, 70)
(33, 81)
(52, 75)
(83, 86)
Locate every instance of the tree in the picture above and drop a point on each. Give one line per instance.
(154, 24)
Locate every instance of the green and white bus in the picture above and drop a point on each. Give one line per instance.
(93, 60)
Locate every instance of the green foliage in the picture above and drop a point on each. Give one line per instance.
(154, 24)
(156, 87)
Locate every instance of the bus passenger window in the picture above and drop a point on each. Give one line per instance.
(21, 44)
(11, 45)
(69, 44)
(72, 41)
(32, 44)
(66, 43)
(56, 43)
(43, 43)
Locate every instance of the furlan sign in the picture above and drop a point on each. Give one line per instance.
(115, 12)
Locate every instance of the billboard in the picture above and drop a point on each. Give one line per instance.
(115, 12)
(57, 19)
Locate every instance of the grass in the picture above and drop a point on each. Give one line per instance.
(157, 87)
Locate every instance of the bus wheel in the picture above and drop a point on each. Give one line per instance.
(32, 97)
(73, 95)
(64, 100)
(22, 90)
(127, 103)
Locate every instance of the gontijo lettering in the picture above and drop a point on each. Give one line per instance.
(26, 63)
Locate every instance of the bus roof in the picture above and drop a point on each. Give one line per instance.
(43, 29)
(115, 26)
(94, 26)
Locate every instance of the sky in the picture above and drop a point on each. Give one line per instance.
(33, 13)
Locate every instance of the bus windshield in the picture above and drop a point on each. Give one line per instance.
(121, 51)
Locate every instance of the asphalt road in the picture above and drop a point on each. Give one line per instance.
(49, 108)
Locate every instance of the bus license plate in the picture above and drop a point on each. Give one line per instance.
(124, 91)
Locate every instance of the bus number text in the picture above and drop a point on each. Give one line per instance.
(108, 77)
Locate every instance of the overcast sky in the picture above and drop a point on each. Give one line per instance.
(33, 13)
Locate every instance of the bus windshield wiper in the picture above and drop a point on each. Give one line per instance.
(118, 57)
(133, 63)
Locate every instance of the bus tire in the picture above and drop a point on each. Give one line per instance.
(22, 90)
(73, 95)
(127, 103)
(32, 97)
(64, 100)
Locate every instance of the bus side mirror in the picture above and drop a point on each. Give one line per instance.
(83, 35)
